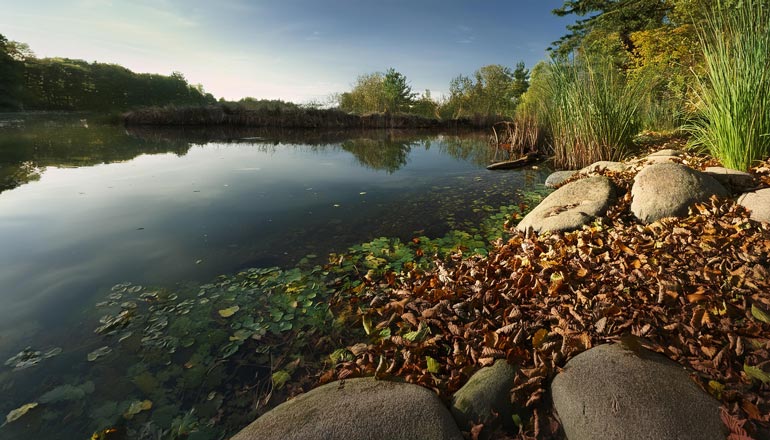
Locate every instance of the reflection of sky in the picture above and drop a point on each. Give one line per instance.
(78, 231)
(290, 49)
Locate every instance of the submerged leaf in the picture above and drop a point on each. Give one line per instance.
(136, 407)
(228, 312)
(19, 412)
(99, 352)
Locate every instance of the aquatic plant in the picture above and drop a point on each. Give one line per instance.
(588, 108)
(734, 97)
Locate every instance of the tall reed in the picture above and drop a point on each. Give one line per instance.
(592, 112)
(734, 97)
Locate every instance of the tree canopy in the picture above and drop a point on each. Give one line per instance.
(31, 83)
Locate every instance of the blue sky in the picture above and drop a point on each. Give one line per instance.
(296, 50)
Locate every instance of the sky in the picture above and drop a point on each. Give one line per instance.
(295, 50)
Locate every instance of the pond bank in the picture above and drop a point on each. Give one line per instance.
(292, 118)
(693, 288)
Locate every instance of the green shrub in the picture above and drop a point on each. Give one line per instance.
(734, 98)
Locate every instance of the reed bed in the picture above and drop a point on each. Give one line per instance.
(734, 98)
(593, 112)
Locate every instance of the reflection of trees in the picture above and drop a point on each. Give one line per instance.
(474, 148)
(29, 146)
(379, 154)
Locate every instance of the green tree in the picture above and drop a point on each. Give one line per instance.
(397, 92)
(494, 90)
(11, 76)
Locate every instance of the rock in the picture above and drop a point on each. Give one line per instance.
(557, 178)
(571, 206)
(604, 164)
(615, 393)
(488, 391)
(758, 202)
(667, 152)
(734, 180)
(651, 160)
(668, 189)
(357, 409)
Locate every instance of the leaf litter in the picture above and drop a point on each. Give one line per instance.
(694, 289)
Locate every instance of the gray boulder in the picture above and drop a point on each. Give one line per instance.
(604, 164)
(486, 393)
(758, 202)
(611, 392)
(668, 189)
(558, 177)
(734, 180)
(571, 206)
(667, 152)
(651, 160)
(357, 409)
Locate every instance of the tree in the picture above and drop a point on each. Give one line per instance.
(494, 90)
(397, 92)
(11, 76)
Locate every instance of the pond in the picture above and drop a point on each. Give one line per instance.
(119, 224)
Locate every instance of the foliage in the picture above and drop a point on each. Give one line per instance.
(734, 98)
(493, 91)
(12, 74)
(30, 83)
(378, 92)
(590, 111)
(653, 41)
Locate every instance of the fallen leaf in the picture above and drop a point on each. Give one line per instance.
(19, 412)
(228, 312)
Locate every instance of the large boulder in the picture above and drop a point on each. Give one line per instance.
(357, 409)
(486, 397)
(667, 152)
(558, 177)
(571, 206)
(604, 165)
(758, 202)
(734, 180)
(615, 393)
(669, 189)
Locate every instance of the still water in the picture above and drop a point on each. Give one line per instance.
(84, 207)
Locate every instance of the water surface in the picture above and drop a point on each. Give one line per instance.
(84, 207)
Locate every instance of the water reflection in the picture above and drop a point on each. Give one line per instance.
(34, 142)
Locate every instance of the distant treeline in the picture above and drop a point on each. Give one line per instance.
(287, 115)
(31, 83)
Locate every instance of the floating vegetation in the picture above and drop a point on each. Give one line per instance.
(29, 358)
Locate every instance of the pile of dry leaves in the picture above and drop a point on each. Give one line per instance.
(696, 289)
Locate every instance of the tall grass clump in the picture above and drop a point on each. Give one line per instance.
(734, 97)
(590, 111)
